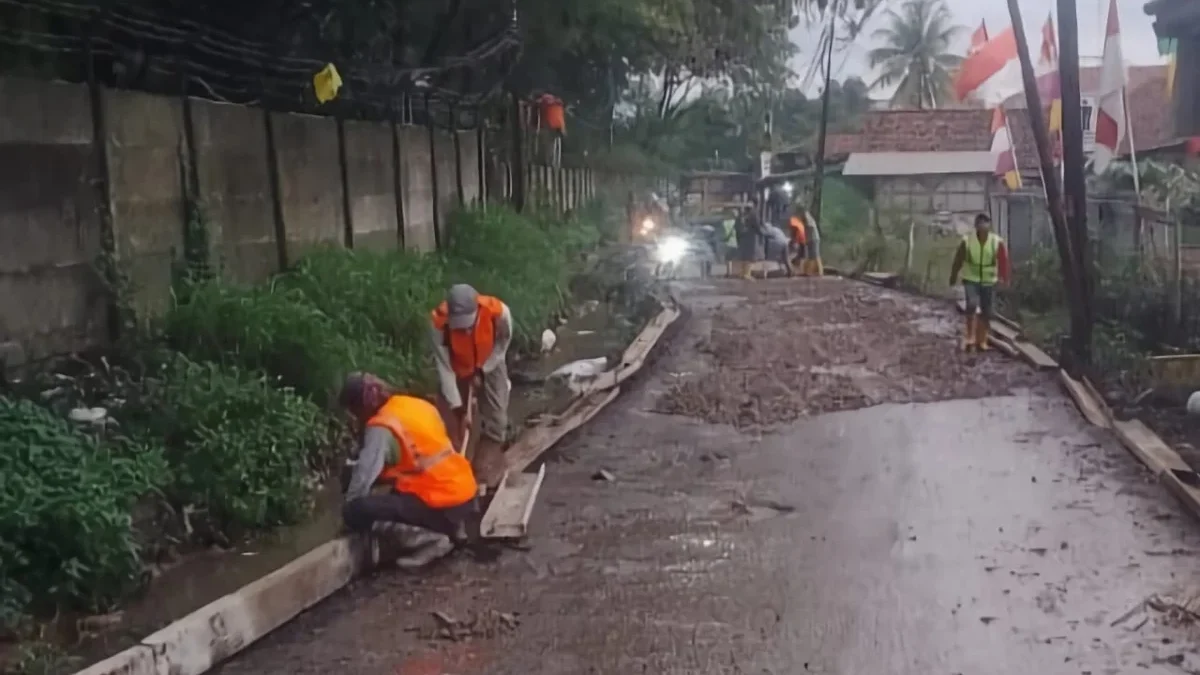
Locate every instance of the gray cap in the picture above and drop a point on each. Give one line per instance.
(462, 304)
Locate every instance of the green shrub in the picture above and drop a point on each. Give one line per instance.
(65, 503)
(276, 330)
(523, 261)
(241, 451)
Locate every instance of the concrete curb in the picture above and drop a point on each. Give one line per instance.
(219, 630)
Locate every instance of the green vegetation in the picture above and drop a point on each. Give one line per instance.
(218, 417)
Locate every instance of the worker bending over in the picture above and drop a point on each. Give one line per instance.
(470, 334)
(799, 239)
(982, 258)
(405, 446)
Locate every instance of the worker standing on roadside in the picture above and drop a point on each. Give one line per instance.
(813, 267)
(406, 447)
(470, 335)
(729, 243)
(749, 234)
(799, 240)
(982, 258)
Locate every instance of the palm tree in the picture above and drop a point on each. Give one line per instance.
(915, 54)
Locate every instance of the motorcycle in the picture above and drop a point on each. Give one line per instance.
(669, 254)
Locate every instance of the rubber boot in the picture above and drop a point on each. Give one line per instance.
(982, 327)
(969, 335)
(489, 463)
(818, 268)
(747, 270)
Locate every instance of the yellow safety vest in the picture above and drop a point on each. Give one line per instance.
(982, 262)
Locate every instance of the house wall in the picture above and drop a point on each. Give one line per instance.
(946, 200)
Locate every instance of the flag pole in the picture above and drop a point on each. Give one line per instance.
(1012, 147)
(1137, 181)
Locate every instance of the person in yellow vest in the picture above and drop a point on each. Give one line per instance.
(471, 334)
(982, 258)
(405, 448)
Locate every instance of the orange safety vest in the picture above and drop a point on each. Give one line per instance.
(428, 466)
(552, 113)
(798, 234)
(470, 349)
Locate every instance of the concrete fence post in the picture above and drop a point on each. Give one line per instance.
(276, 196)
(458, 160)
(433, 177)
(344, 173)
(398, 183)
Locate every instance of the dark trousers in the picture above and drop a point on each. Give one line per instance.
(400, 507)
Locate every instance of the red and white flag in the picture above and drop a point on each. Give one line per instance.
(1002, 150)
(1110, 119)
(978, 39)
(990, 73)
(1050, 84)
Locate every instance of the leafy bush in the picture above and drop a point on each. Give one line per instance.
(521, 260)
(65, 503)
(276, 330)
(241, 450)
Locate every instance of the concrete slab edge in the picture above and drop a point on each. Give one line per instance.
(203, 639)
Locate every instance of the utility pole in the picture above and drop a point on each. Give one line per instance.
(1041, 136)
(819, 164)
(1074, 184)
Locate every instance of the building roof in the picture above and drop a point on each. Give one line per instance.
(919, 163)
(925, 131)
(1149, 115)
(1089, 82)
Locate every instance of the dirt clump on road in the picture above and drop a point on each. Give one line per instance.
(795, 348)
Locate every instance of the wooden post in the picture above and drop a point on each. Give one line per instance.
(819, 171)
(276, 191)
(1074, 183)
(518, 156)
(481, 158)
(1177, 267)
(1041, 136)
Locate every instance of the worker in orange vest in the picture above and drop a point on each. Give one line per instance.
(470, 334)
(799, 239)
(431, 492)
(553, 116)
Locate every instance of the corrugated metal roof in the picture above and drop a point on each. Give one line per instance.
(918, 163)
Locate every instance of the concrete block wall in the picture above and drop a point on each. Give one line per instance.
(266, 198)
(145, 149)
(50, 236)
(234, 175)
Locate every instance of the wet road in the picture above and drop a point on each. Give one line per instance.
(990, 535)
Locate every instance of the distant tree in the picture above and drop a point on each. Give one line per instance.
(915, 53)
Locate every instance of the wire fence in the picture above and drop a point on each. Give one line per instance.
(120, 45)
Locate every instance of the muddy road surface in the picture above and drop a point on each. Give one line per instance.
(813, 479)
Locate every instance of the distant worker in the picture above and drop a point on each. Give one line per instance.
(406, 447)
(749, 240)
(982, 258)
(799, 239)
(813, 267)
(553, 116)
(471, 334)
(729, 242)
(776, 247)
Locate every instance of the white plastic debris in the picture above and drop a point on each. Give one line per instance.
(548, 340)
(88, 415)
(1193, 403)
(576, 373)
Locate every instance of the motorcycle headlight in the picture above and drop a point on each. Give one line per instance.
(647, 225)
(672, 250)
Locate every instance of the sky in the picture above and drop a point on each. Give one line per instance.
(1138, 41)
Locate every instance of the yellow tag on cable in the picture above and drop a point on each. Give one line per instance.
(326, 83)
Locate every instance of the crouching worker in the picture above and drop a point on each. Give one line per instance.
(431, 490)
(471, 334)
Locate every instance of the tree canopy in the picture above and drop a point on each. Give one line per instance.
(915, 53)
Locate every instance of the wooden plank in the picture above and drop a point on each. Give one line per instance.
(1148, 447)
(538, 439)
(508, 515)
(635, 355)
(1002, 344)
(1176, 370)
(1092, 409)
(1031, 353)
(1183, 484)
(885, 279)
